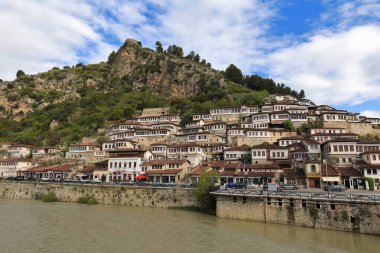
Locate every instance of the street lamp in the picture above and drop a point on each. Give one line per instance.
(327, 174)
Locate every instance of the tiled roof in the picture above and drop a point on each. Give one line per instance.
(260, 174)
(266, 145)
(371, 152)
(348, 172)
(228, 172)
(164, 161)
(329, 170)
(292, 138)
(294, 173)
(162, 172)
(335, 134)
(37, 169)
(199, 170)
(239, 148)
(262, 166)
(56, 168)
(311, 142)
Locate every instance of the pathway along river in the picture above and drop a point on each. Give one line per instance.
(32, 226)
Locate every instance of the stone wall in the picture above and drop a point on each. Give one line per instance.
(344, 216)
(109, 195)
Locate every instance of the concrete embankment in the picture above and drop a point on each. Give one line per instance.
(104, 194)
(349, 215)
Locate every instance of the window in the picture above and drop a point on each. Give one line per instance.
(374, 171)
(313, 168)
(269, 201)
(369, 172)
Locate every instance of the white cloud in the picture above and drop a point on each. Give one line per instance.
(371, 114)
(36, 35)
(334, 68)
(337, 64)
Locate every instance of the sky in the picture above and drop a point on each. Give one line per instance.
(329, 48)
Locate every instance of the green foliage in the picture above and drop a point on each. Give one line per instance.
(206, 184)
(175, 50)
(371, 183)
(111, 57)
(234, 74)
(288, 125)
(159, 48)
(20, 73)
(113, 97)
(87, 200)
(49, 197)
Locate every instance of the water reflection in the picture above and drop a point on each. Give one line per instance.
(32, 226)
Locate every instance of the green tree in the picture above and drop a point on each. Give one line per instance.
(301, 94)
(159, 48)
(206, 185)
(190, 56)
(111, 57)
(20, 73)
(197, 58)
(288, 125)
(234, 74)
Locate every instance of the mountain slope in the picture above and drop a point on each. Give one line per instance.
(61, 106)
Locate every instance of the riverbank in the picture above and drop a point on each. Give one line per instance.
(103, 194)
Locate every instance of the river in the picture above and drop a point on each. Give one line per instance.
(33, 226)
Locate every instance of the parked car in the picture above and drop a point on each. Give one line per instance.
(251, 186)
(45, 179)
(236, 186)
(271, 187)
(289, 187)
(337, 188)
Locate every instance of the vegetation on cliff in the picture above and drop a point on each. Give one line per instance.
(61, 106)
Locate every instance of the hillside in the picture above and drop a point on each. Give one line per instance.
(61, 106)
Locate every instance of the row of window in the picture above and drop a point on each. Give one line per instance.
(123, 164)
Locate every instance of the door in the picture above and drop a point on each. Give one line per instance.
(355, 182)
(347, 183)
(317, 183)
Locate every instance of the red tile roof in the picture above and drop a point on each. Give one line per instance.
(349, 172)
(199, 170)
(163, 172)
(164, 161)
(294, 173)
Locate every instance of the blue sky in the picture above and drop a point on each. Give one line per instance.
(329, 48)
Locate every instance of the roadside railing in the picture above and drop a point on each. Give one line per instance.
(303, 195)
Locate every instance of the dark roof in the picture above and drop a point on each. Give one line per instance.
(260, 174)
(369, 142)
(292, 138)
(348, 172)
(266, 145)
(341, 140)
(329, 170)
(294, 173)
(334, 134)
(310, 142)
(262, 166)
(164, 161)
(239, 148)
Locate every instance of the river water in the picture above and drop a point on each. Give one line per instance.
(33, 226)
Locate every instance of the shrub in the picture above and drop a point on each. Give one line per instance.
(87, 200)
(49, 197)
(371, 183)
(205, 200)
